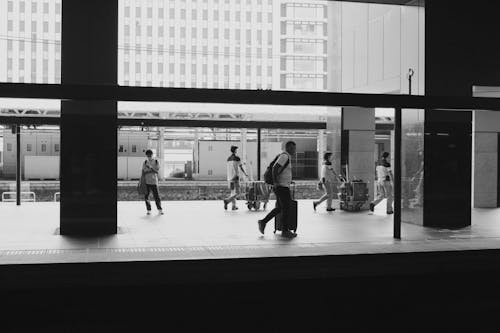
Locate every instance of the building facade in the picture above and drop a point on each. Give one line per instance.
(30, 40)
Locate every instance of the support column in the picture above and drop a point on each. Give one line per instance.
(333, 136)
(244, 152)
(18, 165)
(358, 127)
(259, 152)
(196, 153)
(89, 128)
(485, 161)
(161, 152)
(447, 170)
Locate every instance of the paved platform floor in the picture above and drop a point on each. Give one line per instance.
(203, 230)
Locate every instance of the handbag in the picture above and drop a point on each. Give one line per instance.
(320, 186)
(142, 188)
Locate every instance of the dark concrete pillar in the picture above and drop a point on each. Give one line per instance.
(357, 146)
(448, 168)
(88, 128)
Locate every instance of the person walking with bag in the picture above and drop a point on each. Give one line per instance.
(384, 184)
(233, 177)
(150, 169)
(282, 179)
(327, 183)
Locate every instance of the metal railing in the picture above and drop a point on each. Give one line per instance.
(25, 196)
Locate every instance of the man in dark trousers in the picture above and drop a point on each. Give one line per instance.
(282, 179)
(151, 168)
(234, 167)
(384, 184)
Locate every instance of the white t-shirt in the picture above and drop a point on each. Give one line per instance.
(328, 173)
(383, 171)
(285, 177)
(233, 165)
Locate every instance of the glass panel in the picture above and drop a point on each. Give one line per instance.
(412, 166)
(305, 162)
(30, 41)
(221, 112)
(351, 47)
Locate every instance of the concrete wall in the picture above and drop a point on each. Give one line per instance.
(360, 122)
(485, 163)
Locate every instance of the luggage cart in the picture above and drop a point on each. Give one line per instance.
(257, 193)
(353, 195)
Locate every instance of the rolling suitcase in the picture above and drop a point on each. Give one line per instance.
(292, 216)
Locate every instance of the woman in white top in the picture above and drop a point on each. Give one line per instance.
(328, 179)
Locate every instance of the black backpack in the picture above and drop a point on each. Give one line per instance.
(268, 175)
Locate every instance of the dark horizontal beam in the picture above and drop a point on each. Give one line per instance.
(18, 120)
(27, 120)
(192, 95)
(219, 123)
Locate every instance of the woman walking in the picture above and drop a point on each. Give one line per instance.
(328, 178)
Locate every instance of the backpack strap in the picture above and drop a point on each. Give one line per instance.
(286, 163)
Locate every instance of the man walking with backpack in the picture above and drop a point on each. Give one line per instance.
(281, 172)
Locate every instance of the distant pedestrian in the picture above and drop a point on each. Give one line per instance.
(234, 167)
(327, 182)
(282, 179)
(384, 184)
(150, 168)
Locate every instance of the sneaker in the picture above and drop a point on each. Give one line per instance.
(314, 205)
(262, 226)
(234, 208)
(330, 209)
(288, 234)
(161, 212)
(391, 212)
(148, 212)
(372, 207)
(225, 204)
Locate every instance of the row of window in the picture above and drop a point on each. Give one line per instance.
(304, 11)
(195, 15)
(29, 147)
(216, 52)
(216, 33)
(161, 3)
(204, 84)
(34, 7)
(204, 69)
(45, 45)
(34, 25)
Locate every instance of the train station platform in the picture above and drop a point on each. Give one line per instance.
(203, 230)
